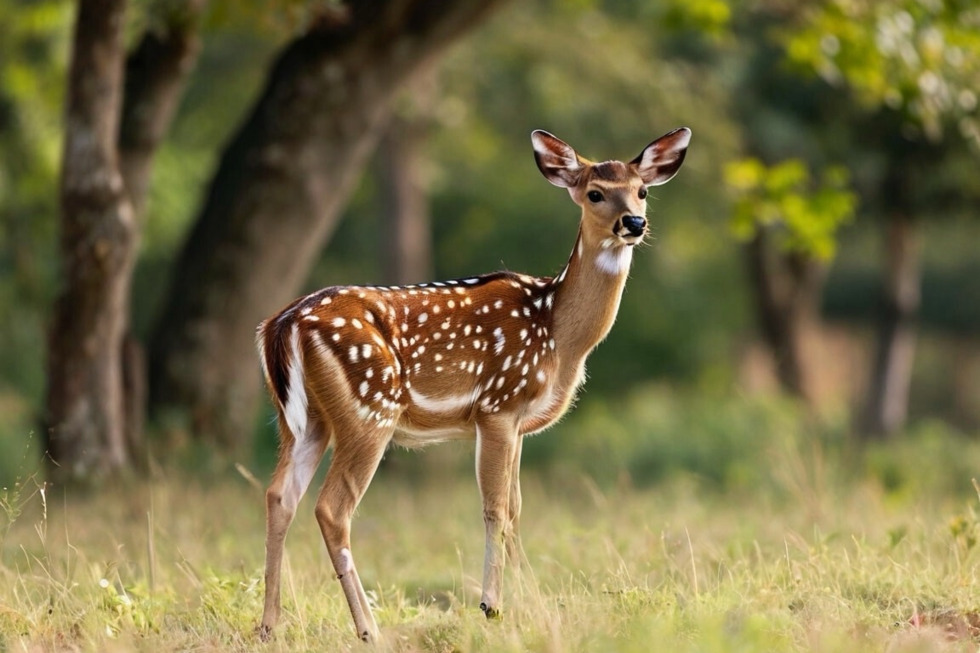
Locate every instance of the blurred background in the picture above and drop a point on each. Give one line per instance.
(813, 270)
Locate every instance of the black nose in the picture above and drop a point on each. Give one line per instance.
(634, 224)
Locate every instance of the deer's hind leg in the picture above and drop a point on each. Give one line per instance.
(357, 453)
(298, 459)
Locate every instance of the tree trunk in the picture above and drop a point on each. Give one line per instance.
(155, 76)
(83, 419)
(406, 229)
(93, 403)
(891, 374)
(156, 71)
(786, 288)
(275, 198)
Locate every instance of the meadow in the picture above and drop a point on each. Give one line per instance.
(782, 538)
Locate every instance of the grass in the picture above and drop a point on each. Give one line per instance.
(811, 560)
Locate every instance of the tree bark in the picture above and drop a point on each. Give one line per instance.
(275, 198)
(156, 72)
(786, 288)
(155, 76)
(406, 229)
(93, 411)
(83, 418)
(891, 374)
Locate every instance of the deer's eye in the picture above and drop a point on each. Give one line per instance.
(595, 196)
(642, 193)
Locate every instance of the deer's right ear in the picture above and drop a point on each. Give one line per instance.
(556, 159)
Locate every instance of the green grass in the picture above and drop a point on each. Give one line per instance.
(828, 553)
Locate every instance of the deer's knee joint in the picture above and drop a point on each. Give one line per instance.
(277, 503)
(326, 517)
(495, 517)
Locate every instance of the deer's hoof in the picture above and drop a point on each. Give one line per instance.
(491, 613)
(264, 632)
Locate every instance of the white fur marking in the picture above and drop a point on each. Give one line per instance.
(345, 562)
(615, 261)
(443, 404)
(306, 456)
(498, 347)
(296, 408)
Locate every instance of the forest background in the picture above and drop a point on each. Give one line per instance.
(819, 245)
(775, 447)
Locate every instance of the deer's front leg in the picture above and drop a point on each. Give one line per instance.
(496, 442)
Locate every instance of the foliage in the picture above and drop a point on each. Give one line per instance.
(592, 73)
(922, 58)
(608, 76)
(808, 212)
(32, 51)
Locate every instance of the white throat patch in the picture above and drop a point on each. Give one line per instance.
(615, 260)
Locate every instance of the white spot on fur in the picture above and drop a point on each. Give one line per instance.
(498, 346)
(345, 562)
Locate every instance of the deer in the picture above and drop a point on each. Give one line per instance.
(494, 358)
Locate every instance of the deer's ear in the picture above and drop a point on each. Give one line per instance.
(660, 160)
(556, 159)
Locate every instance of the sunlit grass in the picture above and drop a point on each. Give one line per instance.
(808, 562)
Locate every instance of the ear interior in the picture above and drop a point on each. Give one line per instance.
(660, 160)
(556, 159)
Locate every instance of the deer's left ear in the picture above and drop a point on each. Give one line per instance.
(660, 160)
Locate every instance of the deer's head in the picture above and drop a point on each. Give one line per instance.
(612, 194)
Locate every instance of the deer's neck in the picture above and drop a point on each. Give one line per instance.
(587, 299)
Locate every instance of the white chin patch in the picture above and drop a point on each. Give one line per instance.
(615, 260)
